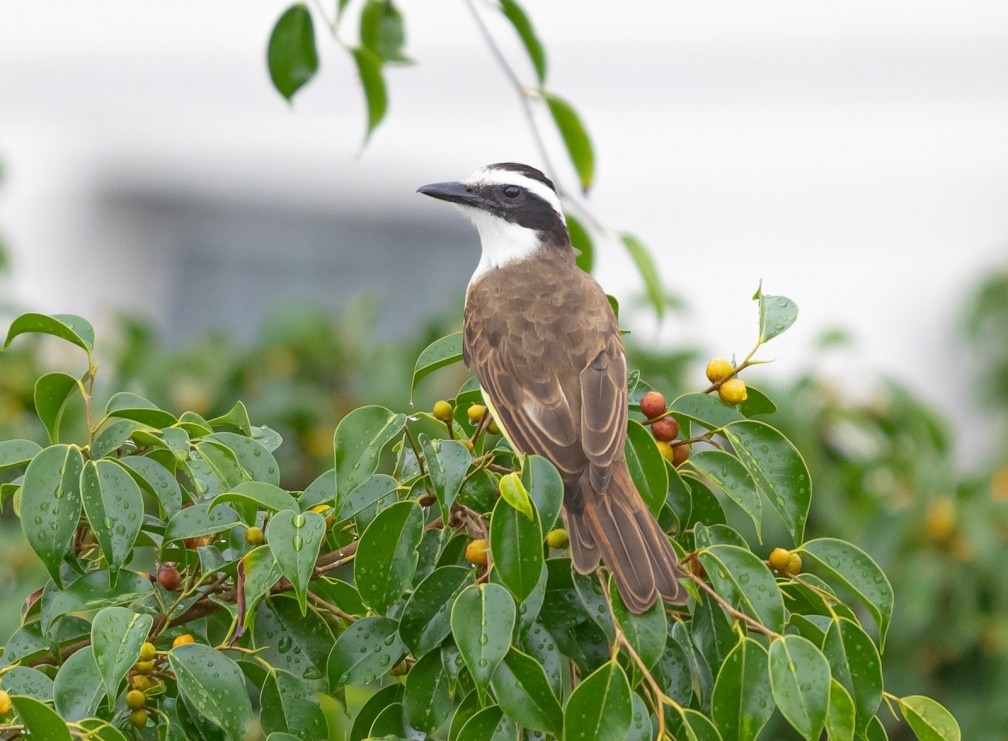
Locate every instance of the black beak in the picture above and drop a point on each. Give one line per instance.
(453, 193)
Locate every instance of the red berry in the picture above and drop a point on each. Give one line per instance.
(168, 577)
(679, 455)
(652, 404)
(665, 429)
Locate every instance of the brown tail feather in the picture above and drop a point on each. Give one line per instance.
(623, 531)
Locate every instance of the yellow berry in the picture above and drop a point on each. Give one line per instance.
(326, 511)
(666, 450)
(733, 391)
(141, 682)
(779, 559)
(138, 718)
(493, 428)
(476, 552)
(719, 369)
(254, 536)
(182, 640)
(5, 702)
(939, 520)
(143, 667)
(793, 565)
(468, 445)
(443, 411)
(557, 539)
(476, 412)
(147, 651)
(135, 699)
(399, 669)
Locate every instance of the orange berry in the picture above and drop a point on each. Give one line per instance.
(182, 640)
(5, 702)
(794, 565)
(779, 560)
(476, 552)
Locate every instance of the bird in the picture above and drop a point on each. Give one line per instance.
(544, 343)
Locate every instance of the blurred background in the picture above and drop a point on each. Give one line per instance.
(853, 156)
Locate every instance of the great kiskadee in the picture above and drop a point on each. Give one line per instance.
(544, 343)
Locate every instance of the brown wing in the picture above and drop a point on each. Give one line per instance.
(604, 411)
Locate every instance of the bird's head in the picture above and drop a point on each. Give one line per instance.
(514, 207)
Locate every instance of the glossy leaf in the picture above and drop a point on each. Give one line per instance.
(516, 547)
(440, 353)
(512, 491)
(359, 440)
(600, 706)
(545, 487)
(51, 504)
(706, 409)
(523, 692)
(746, 582)
(776, 314)
(364, 652)
(215, 687)
(72, 328)
(537, 55)
(236, 417)
(126, 405)
(840, 716)
(373, 84)
(258, 494)
(116, 636)
(489, 724)
(287, 640)
(482, 622)
(648, 270)
(777, 468)
(426, 618)
(699, 727)
(756, 403)
(845, 564)
(115, 510)
(582, 242)
(40, 720)
(575, 138)
(28, 682)
(17, 453)
(291, 55)
(52, 393)
(156, 479)
(929, 720)
(113, 435)
(732, 478)
(199, 520)
(800, 682)
(295, 539)
(255, 461)
(288, 706)
(645, 632)
(92, 592)
(742, 702)
(427, 701)
(366, 496)
(366, 716)
(447, 463)
(382, 31)
(855, 663)
(647, 467)
(77, 689)
(640, 721)
(387, 555)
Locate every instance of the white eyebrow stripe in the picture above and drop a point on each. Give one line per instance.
(496, 176)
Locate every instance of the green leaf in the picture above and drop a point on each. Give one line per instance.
(359, 440)
(600, 706)
(513, 492)
(382, 31)
(647, 467)
(777, 468)
(100, 730)
(92, 592)
(199, 520)
(776, 314)
(16, 453)
(52, 393)
(40, 720)
(489, 724)
(116, 636)
(575, 138)
(289, 707)
(840, 715)
(516, 547)
(115, 510)
(295, 539)
(582, 242)
(645, 632)
(256, 462)
(28, 682)
(69, 327)
(800, 681)
(523, 692)
(366, 496)
(292, 642)
(156, 479)
(543, 483)
(426, 618)
(929, 720)
(261, 573)
(855, 663)
(132, 406)
(51, 504)
(236, 417)
(482, 621)
(706, 409)
(447, 463)
(640, 721)
(366, 716)
(369, 69)
(291, 55)
(214, 685)
(77, 688)
(364, 652)
(514, 13)
(756, 403)
(742, 702)
(731, 477)
(259, 495)
(746, 582)
(387, 555)
(648, 271)
(427, 701)
(848, 565)
(699, 727)
(440, 353)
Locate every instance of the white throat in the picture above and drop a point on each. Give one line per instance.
(503, 242)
